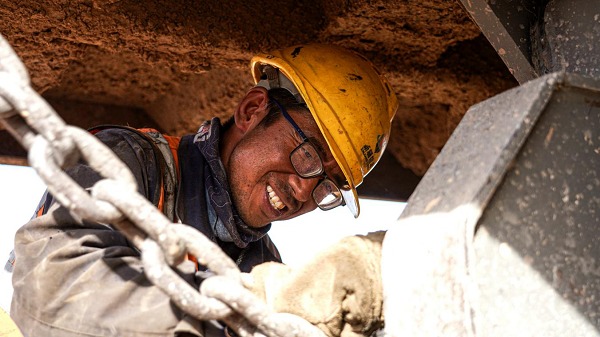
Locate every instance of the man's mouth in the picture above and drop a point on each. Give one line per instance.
(274, 199)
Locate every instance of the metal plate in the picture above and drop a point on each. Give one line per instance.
(538, 245)
(506, 24)
(429, 259)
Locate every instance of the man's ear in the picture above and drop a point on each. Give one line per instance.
(251, 110)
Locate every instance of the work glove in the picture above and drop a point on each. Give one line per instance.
(339, 290)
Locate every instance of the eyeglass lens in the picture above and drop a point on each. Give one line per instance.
(306, 161)
(327, 195)
(308, 164)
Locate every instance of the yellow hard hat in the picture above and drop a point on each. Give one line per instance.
(351, 101)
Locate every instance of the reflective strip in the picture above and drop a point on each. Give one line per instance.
(10, 264)
(40, 212)
(174, 145)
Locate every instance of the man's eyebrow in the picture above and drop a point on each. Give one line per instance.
(319, 147)
(338, 178)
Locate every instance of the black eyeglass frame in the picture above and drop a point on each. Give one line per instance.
(305, 140)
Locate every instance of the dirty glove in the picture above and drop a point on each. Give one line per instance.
(339, 290)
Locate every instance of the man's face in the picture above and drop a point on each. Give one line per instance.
(259, 165)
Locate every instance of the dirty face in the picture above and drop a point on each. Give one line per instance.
(263, 182)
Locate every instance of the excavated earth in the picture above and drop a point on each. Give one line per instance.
(172, 64)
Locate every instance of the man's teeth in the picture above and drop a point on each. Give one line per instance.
(274, 199)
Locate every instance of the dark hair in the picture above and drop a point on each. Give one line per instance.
(284, 97)
(229, 123)
(287, 100)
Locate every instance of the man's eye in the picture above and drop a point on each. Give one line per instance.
(307, 154)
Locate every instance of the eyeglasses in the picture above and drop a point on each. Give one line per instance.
(308, 164)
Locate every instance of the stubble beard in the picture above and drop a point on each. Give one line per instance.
(238, 197)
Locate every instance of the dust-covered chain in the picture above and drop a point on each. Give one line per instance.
(54, 146)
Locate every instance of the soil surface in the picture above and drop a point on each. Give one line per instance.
(181, 62)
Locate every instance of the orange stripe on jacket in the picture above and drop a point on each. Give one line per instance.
(174, 145)
(40, 212)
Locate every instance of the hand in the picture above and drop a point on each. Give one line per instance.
(339, 290)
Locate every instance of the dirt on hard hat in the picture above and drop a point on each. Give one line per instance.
(174, 64)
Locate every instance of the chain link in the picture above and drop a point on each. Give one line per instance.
(54, 146)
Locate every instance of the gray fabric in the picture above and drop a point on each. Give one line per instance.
(216, 224)
(206, 140)
(169, 174)
(9, 264)
(75, 278)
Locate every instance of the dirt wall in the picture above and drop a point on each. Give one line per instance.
(184, 61)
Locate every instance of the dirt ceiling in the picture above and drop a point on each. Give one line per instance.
(184, 61)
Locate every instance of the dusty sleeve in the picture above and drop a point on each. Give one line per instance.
(77, 278)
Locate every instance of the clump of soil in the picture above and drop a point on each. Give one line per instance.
(184, 61)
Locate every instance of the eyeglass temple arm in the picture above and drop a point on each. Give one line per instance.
(289, 119)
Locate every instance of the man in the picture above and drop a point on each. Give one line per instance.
(315, 124)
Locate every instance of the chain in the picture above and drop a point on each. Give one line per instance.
(54, 146)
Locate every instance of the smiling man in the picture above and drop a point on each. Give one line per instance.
(315, 124)
(275, 161)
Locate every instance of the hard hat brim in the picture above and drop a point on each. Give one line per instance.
(351, 199)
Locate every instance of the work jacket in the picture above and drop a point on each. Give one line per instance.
(79, 278)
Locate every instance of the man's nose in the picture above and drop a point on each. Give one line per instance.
(302, 188)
